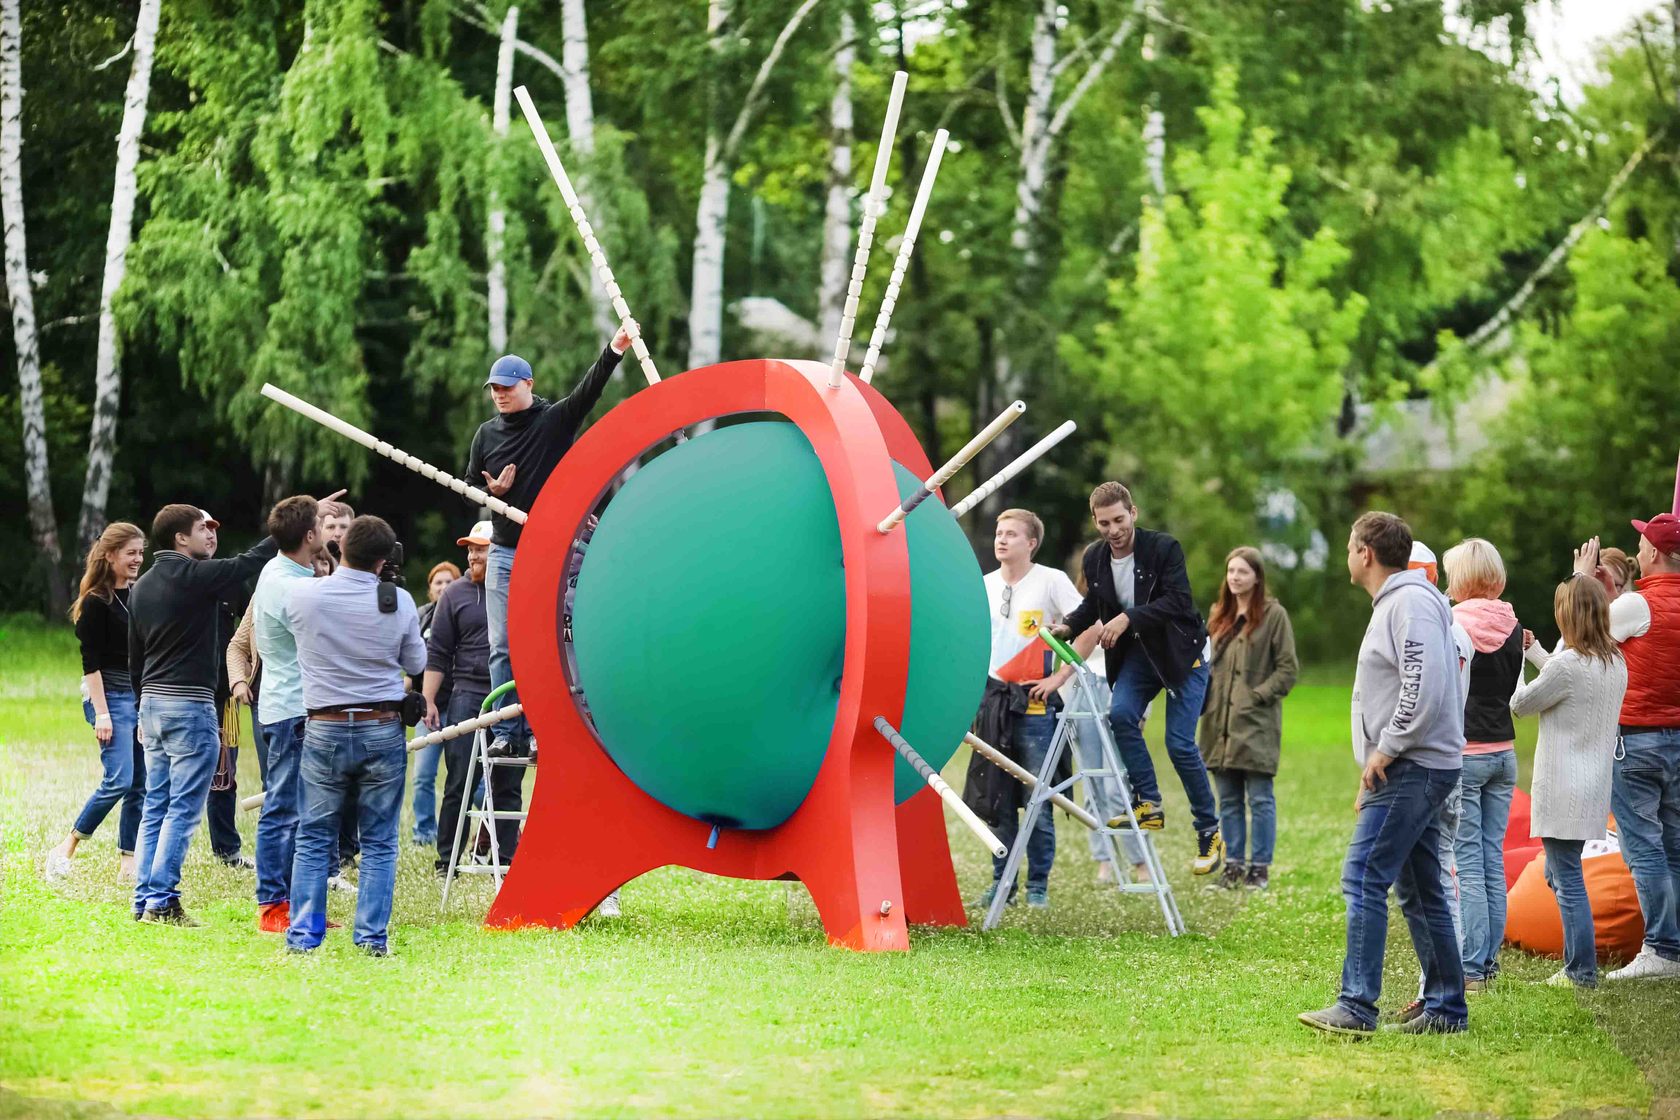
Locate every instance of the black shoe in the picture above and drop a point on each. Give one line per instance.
(171, 915)
(373, 950)
(506, 748)
(1259, 877)
(1336, 1019)
(1425, 1023)
(239, 862)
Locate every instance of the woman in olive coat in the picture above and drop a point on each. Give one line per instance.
(1241, 732)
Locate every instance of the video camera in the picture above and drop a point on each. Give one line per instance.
(390, 578)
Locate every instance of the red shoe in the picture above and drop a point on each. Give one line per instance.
(276, 917)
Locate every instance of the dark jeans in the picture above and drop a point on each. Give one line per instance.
(278, 825)
(1246, 803)
(1135, 687)
(1032, 743)
(1397, 838)
(1563, 875)
(358, 759)
(1645, 796)
(221, 812)
(124, 780)
(507, 782)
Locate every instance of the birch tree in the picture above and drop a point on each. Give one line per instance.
(43, 525)
(107, 376)
(705, 312)
(837, 209)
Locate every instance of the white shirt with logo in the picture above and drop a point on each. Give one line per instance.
(1043, 597)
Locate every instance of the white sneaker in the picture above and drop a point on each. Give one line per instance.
(58, 866)
(1559, 979)
(342, 885)
(1647, 966)
(609, 906)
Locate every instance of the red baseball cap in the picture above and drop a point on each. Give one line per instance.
(1663, 530)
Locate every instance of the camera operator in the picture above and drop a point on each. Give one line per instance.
(357, 634)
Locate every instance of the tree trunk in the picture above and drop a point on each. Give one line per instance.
(496, 280)
(580, 131)
(107, 376)
(837, 214)
(43, 525)
(705, 307)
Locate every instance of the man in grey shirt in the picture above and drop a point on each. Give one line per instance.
(352, 656)
(1408, 729)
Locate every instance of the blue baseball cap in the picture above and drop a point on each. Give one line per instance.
(510, 369)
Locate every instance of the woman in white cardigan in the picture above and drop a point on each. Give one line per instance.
(1578, 696)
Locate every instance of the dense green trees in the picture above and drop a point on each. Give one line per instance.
(1236, 242)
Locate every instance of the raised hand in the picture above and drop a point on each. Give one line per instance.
(502, 483)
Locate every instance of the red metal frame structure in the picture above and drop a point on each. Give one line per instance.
(872, 868)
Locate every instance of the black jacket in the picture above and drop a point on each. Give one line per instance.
(1165, 623)
(1493, 678)
(533, 440)
(174, 639)
(458, 638)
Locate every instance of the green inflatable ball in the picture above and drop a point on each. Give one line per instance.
(710, 627)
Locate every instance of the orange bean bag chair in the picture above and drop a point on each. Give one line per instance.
(1534, 925)
(1519, 846)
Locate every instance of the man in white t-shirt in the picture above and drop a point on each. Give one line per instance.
(1026, 597)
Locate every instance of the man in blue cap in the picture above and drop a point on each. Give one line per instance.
(514, 453)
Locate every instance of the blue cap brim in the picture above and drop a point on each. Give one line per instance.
(505, 380)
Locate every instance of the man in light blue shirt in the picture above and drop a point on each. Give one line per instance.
(352, 656)
(294, 524)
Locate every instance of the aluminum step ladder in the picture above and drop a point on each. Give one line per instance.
(1088, 711)
(480, 765)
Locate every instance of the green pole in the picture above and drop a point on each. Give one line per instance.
(1062, 649)
(495, 692)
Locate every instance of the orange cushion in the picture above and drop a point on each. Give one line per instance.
(1534, 925)
(1517, 859)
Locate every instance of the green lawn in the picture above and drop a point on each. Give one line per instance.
(712, 997)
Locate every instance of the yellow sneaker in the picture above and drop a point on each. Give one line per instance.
(1210, 853)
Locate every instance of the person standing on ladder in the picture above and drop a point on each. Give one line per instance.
(1024, 597)
(1139, 589)
(514, 453)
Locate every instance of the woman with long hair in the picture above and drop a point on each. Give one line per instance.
(1241, 735)
(1578, 697)
(100, 613)
(1475, 580)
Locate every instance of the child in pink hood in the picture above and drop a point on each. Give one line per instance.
(1475, 580)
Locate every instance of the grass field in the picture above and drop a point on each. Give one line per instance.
(712, 997)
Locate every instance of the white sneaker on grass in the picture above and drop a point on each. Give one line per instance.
(1647, 966)
(342, 885)
(609, 906)
(58, 865)
(1559, 979)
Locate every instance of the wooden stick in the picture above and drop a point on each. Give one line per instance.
(454, 730)
(590, 244)
(874, 204)
(941, 787)
(395, 454)
(1027, 778)
(943, 475)
(1021, 463)
(906, 246)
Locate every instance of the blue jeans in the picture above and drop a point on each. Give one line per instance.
(183, 740)
(1645, 796)
(1489, 782)
(1563, 875)
(497, 575)
(367, 761)
(125, 773)
(1397, 842)
(278, 826)
(1032, 743)
(1135, 687)
(426, 761)
(1240, 789)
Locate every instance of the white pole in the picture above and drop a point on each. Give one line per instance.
(395, 454)
(454, 730)
(941, 787)
(873, 205)
(943, 475)
(575, 208)
(1027, 778)
(905, 248)
(1021, 463)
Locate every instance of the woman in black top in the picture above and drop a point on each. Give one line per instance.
(100, 613)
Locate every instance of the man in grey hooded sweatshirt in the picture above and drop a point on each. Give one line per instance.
(1408, 733)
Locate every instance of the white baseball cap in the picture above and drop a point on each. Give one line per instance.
(480, 535)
